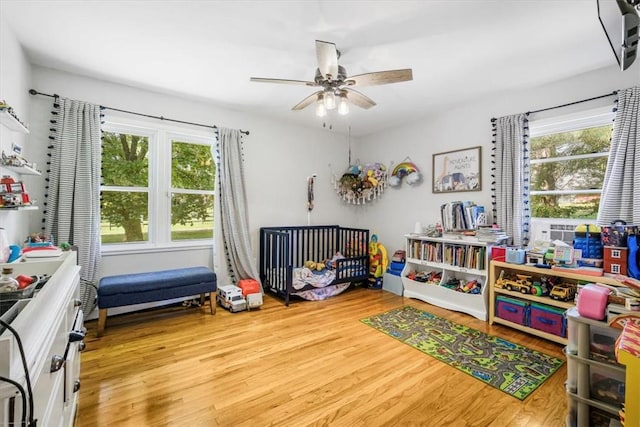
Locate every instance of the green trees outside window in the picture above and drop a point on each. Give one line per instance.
(567, 172)
(142, 201)
(125, 168)
(192, 178)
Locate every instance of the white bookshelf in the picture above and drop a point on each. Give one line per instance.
(427, 254)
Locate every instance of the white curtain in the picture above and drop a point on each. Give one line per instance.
(72, 212)
(620, 198)
(510, 177)
(234, 219)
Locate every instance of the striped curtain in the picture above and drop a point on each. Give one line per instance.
(72, 212)
(233, 206)
(620, 198)
(510, 177)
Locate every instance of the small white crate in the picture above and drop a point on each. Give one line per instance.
(392, 283)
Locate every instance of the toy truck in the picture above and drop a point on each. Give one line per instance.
(521, 284)
(563, 292)
(230, 297)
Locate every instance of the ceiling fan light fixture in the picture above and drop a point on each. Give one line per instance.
(343, 106)
(321, 111)
(329, 100)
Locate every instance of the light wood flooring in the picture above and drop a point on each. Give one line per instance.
(312, 363)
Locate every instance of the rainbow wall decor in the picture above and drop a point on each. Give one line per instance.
(404, 169)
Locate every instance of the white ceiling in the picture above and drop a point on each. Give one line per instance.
(458, 49)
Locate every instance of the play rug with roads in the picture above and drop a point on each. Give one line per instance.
(512, 368)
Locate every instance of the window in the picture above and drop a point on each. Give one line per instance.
(568, 163)
(192, 178)
(144, 204)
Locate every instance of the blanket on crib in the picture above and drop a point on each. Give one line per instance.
(319, 294)
(318, 279)
(322, 281)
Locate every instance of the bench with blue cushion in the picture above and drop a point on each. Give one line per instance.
(128, 289)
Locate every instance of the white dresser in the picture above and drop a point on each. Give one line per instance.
(50, 326)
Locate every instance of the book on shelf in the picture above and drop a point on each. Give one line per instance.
(491, 235)
(462, 215)
(465, 256)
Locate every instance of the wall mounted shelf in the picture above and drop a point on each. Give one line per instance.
(12, 123)
(22, 170)
(20, 208)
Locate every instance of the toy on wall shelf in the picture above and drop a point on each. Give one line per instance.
(378, 262)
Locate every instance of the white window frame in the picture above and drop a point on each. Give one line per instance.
(601, 116)
(161, 135)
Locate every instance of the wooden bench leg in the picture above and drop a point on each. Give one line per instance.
(212, 306)
(102, 321)
(212, 303)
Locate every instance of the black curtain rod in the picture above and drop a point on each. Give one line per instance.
(615, 92)
(35, 92)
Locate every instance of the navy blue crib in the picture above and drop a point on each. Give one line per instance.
(283, 249)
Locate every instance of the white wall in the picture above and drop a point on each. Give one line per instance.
(467, 126)
(278, 159)
(280, 156)
(15, 78)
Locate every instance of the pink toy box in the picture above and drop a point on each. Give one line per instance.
(592, 301)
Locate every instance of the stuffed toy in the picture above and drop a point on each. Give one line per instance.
(312, 265)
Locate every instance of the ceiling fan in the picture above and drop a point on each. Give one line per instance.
(335, 84)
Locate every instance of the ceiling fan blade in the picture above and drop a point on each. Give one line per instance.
(380, 78)
(283, 81)
(359, 99)
(307, 101)
(327, 59)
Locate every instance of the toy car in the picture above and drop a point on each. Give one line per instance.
(563, 292)
(230, 297)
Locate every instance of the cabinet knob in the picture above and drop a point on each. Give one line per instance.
(76, 385)
(57, 362)
(78, 335)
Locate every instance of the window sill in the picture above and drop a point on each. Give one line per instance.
(112, 250)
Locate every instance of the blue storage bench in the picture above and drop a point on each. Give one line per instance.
(128, 289)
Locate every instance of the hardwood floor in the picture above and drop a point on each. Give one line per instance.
(312, 363)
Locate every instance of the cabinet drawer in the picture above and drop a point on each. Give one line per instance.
(72, 364)
(48, 388)
(607, 385)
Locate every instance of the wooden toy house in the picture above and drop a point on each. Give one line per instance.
(615, 260)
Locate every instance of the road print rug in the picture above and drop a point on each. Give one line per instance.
(512, 368)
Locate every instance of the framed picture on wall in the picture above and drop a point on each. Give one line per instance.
(458, 170)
